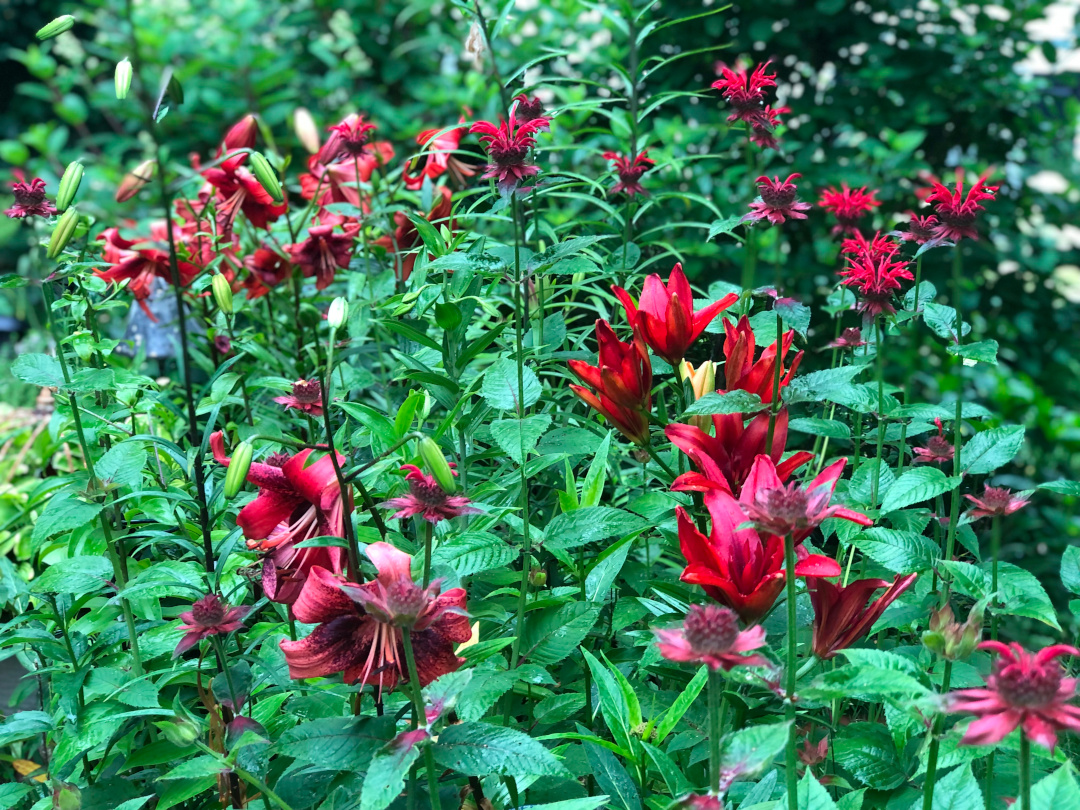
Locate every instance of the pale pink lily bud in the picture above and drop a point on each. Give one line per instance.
(134, 180)
(306, 130)
(703, 381)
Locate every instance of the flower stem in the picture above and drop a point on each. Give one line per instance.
(1025, 772)
(716, 690)
(918, 281)
(932, 758)
(954, 501)
(418, 712)
(428, 527)
(750, 257)
(880, 371)
(790, 673)
(995, 551)
(775, 409)
(653, 455)
(251, 779)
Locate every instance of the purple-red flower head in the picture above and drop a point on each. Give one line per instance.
(745, 93)
(30, 200)
(529, 109)
(996, 502)
(920, 230)
(875, 272)
(848, 205)
(938, 449)
(776, 201)
(850, 338)
(710, 635)
(427, 499)
(306, 396)
(957, 211)
(350, 139)
(508, 144)
(208, 616)
(630, 172)
(764, 134)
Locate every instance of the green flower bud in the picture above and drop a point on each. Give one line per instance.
(223, 295)
(122, 77)
(134, 180)
(266, 176)
(538, 577)
(437, 465)
(62, 232)
(69, 184)
(179, 732)
(56, 27)
(67, 797)
(338, 313)
(238, 469)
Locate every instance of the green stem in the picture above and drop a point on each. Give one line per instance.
(918, 281)
(750, 257)
(880, 371)
(995, 551)
(776, 398)
(653, 455)
(418, 712)
(988, 789)
(715, 697)
(932, 758)
(428, 527)
(251, 779)
(1025, 772)
(954, 500)
(791, 674)
(494, 65)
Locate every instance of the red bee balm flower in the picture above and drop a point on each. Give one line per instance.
(297, 501)
(762, 134)
(623, 383)
(746, 93)
(1025, 690)
(876, 274)
(850, 338)
(630, 172)
(848, 205)
(350, 138)
(665, 317)
(938, 449)
(30, 200)
(209, 616)
(843, 615)
(529, 109)
(306, 396)
(360, 626)
(507, 145)
(920, 230)
(139, 261)
(996, 502)
(956, 211)
(428, 499)
(710, 635)
(323, 252)
(776, 202)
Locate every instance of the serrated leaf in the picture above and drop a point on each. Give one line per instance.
(915, 486)
(612, 778)
(471, 552)
(812, 796)
(832, 428)
(1058, 791)
(986, 451)
(1070, 569)
(981, 351)
(736, 401)
(518, 437)
(591, 524)
(122, 465)
(723, 226)
(1021, 592)
(204, 765)
(337, 743)
(957, 790)
(942, 321)
(899, 551)
(80, 575)
(481, 749)
(868, 752)
(747, 752)
(385, 777)
(817, 385)
(557, 632)
(38, 369)
(63, 513)
(500, 386)
(486, 686)
(1062, 487)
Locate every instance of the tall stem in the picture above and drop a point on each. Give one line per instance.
(750, 256)
(995, 552)
(932, 758)
(775, 409)
(954, 502)
(880, 370)
(791, 674)
(494, 65)
(418, 716)
(918, 281)
(428, 527)
(1025, 772)
(716, 690)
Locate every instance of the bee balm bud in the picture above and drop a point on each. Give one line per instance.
(223, 295)
(122, 78)
(238, 469)
(266, 176)
(56, 27)
(69, 184)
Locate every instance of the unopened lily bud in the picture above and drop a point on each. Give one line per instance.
(56, 27)
(306, 130)
(241, 135)
(338, 313)
(122, 78)
(264, 173)
(238, 469)
(134, 180)
(62, 232)
(179, 731)
(69, 184)
(437, 465)
(223, 296)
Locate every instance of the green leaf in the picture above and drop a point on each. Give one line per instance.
(168, 578)
(736, 401)
(337, 743)
(471, 552)
(593, 487)
(485, 687)
(557, 632)
(899, 551)
(1021, 592)
(942, 320)
(561, 251)
(867, 750)
(518, 437)
(591, 524)
(196, 768)
(981, 351)
(723, 226)
(122, 465)
(74, 575)
(818, 385)
(820, 427)
(677, 784)
(38, 369)
(612, 778)
(682, 703)
(749, 751)
(11, 794)
(915, 486)
(1058, 791)
(1070, 569)
(385, 777)
(1062, 487)
(990, 449)
(500, 386)
(481, 749)
(958, 790)
(602, 575)
(63, 513)
(584, 803)
(612, 703)
(812, 796)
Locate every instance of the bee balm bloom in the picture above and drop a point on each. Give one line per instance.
(630, 171)
(209, 616)
(745, 93)
(507, 145)
(710, 635)
(956, 211)
(306, 396)
(996, 502)
(776, 201)
(428, 499)
(30, 200)
(938, 449)
(848, 205)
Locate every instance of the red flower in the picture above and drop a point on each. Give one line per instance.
(811, 754)
(763, 134)
(776, 201)
(529, 109)
(139, 261)
(956, 211)
(427, 498)
(743, 373)
(297, 501)
(664, 317)
(208, 616)
(30, 200)
(725, 460)
(238, 190)
(406, 236)
(340, 182)
(360, 626)
(241, 135)
(881, 245)
(996, 502)
(843, 615)
(439, 157)
(848, 205)
(746, 93)
(938, 449)
(349, 139)
(306, 396)
(876, 274)
(630, 172)
(507, 145)
(323, 252)
(920, 230)
(1025, 690)
(266, 269)
(623, 382)
(710, 635)
(850, 338)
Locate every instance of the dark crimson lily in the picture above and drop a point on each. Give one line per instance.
(298, 499)
(359, 629)
(956, 211)
(664, 316)
(340, 182)
(139, 261)
(844, 614)
(323, 252)
(406, 236)
(742, 372)
(266, 268)
(238, 190)
(623, 383)
(349, 139)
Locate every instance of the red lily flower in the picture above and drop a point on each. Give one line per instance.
(360, 626)
(323, 252)
(843, 615)
(956, 211)
(30, 200)
(406, 236)
(996, 502)
(776, 201)
(439, 157)
(623, 382)
(665, 317)
(630, 171)
(297, 501)
(1025, 690)
(764, 134)
(427, 498)
(208, 616)
(848, 205)
(743, 373)
(507, 145)
(266, 268)
(238, 190)
(746, 93)
(241, 135)
(306, 397)
(329, 182)
(938, 449)
(139, 261)
(876, 274)
(710, 635)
